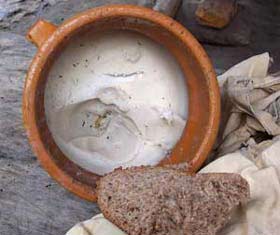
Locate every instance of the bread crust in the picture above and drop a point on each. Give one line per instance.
(173, 215)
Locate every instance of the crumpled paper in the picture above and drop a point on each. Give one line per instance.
(250, 104)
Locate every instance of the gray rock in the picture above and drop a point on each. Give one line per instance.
(262, 18)
(30, 201)
(14, 12)
(216, 13)
(168, 7)
(237, 33)
(16, 54)
(17, 15)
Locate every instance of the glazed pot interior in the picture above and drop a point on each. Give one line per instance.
(198, 94)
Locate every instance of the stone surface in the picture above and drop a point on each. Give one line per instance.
(216, 13)
(18, 15)
(168, 7)
(30, 201)
(237, 33)
(259, 19)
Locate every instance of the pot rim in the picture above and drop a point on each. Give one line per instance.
(89, 16)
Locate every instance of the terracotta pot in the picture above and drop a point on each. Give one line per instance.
(204, 99)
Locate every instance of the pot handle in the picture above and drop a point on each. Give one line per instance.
(40, 32)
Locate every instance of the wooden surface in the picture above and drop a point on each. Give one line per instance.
(30, 201)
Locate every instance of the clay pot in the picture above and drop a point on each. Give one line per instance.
(204, 98)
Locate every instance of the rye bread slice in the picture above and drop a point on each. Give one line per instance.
(164, 201)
